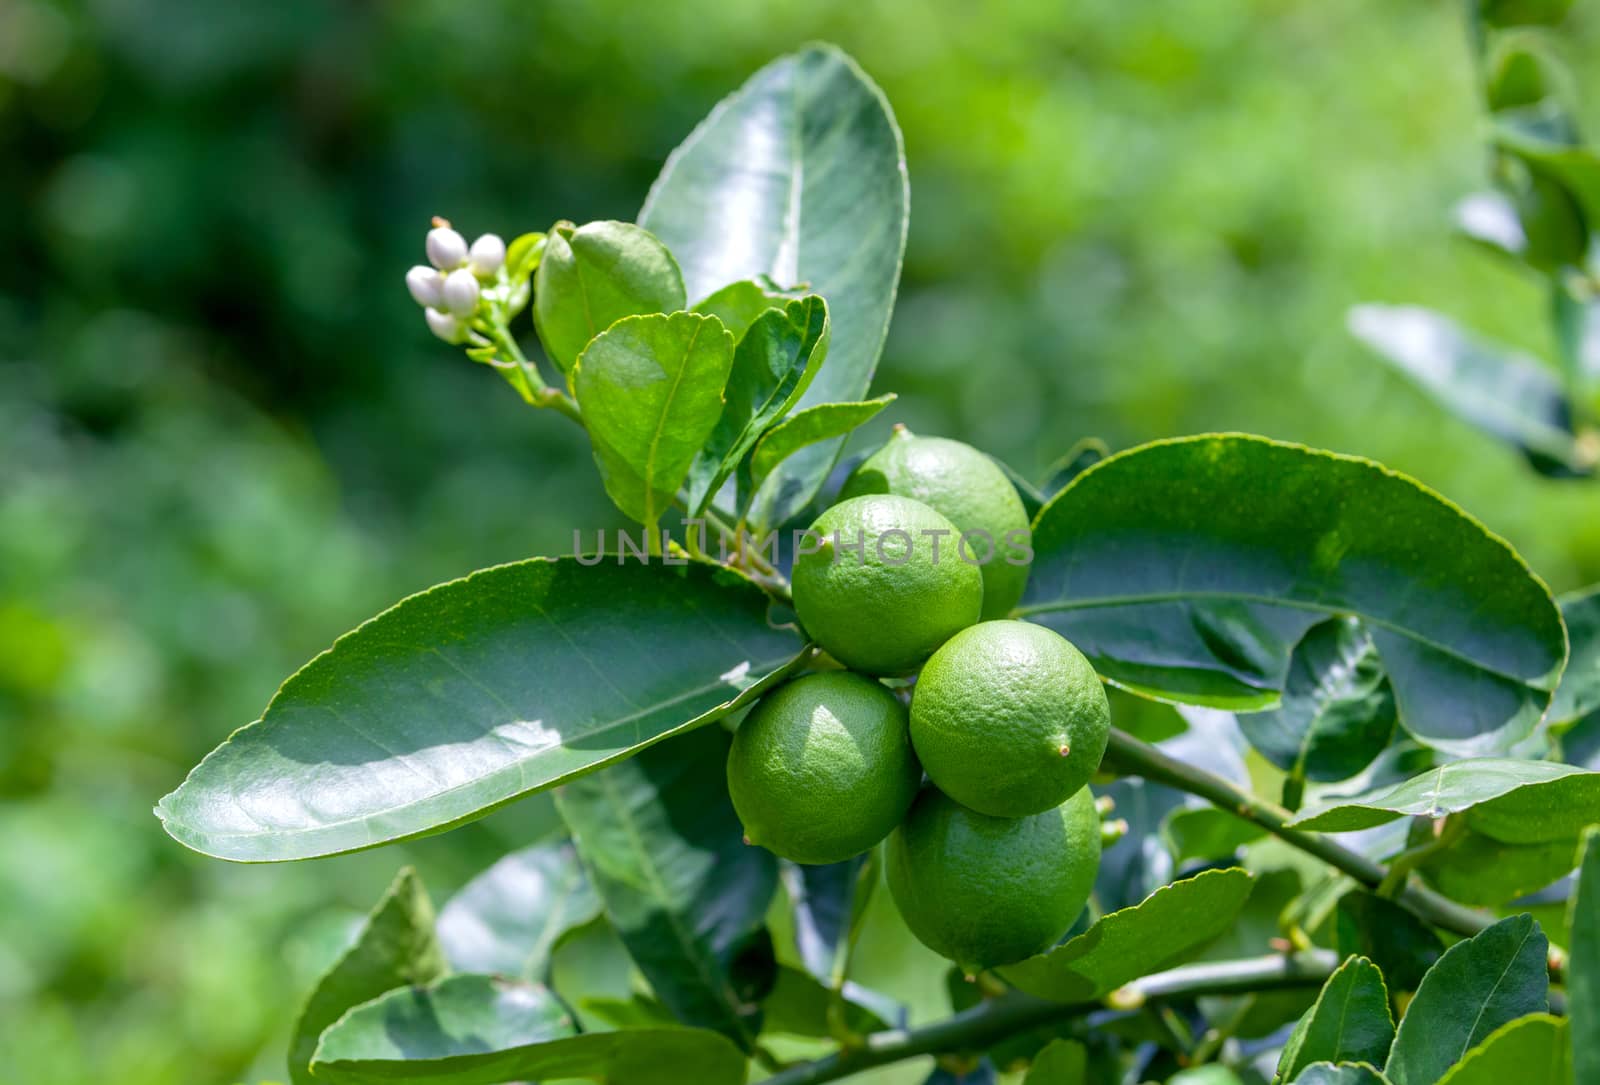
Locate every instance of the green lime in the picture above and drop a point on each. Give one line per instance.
(879, 584)
(1009, 718)
(969, 490)
(986, 891)
(822, 768)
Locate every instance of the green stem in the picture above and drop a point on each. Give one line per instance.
(527, 380)
(995, 1019)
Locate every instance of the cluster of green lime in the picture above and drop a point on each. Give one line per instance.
(995, 860)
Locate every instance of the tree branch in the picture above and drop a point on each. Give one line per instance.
(1014, 1012)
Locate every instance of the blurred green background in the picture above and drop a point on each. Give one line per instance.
(226, 436)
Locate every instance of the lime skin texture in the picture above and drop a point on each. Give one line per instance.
(1008, 718)
(822, 769)
(884, 588)
(986, 891)
(969, 490)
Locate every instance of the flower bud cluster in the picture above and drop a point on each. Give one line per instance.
(450, 286)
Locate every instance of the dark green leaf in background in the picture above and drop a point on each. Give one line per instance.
(1583, 967)
(396, 947)
(1477, 869)
(1579, 691)
(798, 176)
(1188, 569)
(482, 1030)
(1479, 984)
(1350, 1022)
(1337, 712)
(1490, 219)
(828, 902)
(474, 693)
(651, 392)
(1522, 12)
(1062, 1062)
(1207, 833)
(664, 848)
(509, 919)
(592, 276)
(800, 1005)
(1532, 1050)
(1400, 944)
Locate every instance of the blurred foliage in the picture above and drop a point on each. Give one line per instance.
(225, 435)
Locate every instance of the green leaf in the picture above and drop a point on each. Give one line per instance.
(1583, 964)
(477, 692)
(1337, 712)
(829, 902)
(1207, 833)
(1476, 869)
(396, 947)
(1187, 570)
(651, 392)
(509, 919)
(799, 176)
(1522, 12)
(592, 276)
(738, 304)
(799, 1005)
(1167, 927)
(1548, 150)
(805, 428)
(775, 360)
(1532, 1050)
(1345, 1073)
(1490, 219)
(1062, 1062)
(685, 893)
(1402, 945)
(1579, 691)
(481, 1030)
(1518, 802)
(1479, 984)
(1505, 394)
(1349, 1022)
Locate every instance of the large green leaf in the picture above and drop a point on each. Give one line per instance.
(1344, 1073)
(396, 947)
(1062, 1062)
(651, 392)
(772, 365)
(1402, 945)
(482, 1030)
(1583, 965)
(1349, 1022)
(1518, 802)
(1532, 1050)
(1167, 927)
(1479, 984)
(1505, 394)
(508, 919)
(1188, 569)
(1337, 712)
(1477, 869)
(686, 894)
(474, 693)
(1206, 832)
(798, 176)
(1579, 691)
(592, 276)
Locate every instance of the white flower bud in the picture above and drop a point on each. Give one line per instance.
(460, 293)
(426, 286)
(486, 255)
(445, 326)
(446, 248)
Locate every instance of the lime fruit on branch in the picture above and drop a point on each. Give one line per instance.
(878, 583)
(968, 489)
(1009, 718)
(822, 768)
(987, 891)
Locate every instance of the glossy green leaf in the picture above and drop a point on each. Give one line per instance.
(664, 848)
(798, 176)
(651, 392)
(1518, 802)
(1166, 928)
(1476, 869)
(1479, 984)
(1062, 1062)
(1337, 712)
(509, 919)
(1188, 569)
(1505, 394)
(1579, 691)
(803, 429)
(474, 693)
(1349, 1022)
(395, 947)
(482, 1030)
(1402, 946)
(775, 360)
(1532, 1050)
(1207, 833)
(738, 304)
(828, 903)
(1521, 72)
(592, 276)
(1346, 1073)
(1583, 963)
